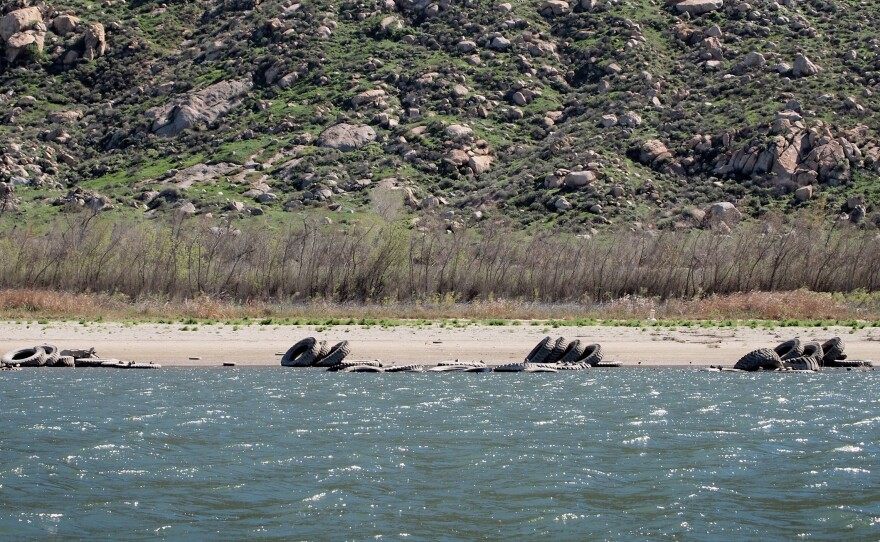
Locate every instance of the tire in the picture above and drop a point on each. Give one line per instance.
(608, 364)
(790, 349)
(851, 363)
(52, 354)
(559, 348)
(325, 349)
(346, 364)
(478, 370)
(540, 368)
(592, 355)
(78, 353)
(26, 357)
(457, 363)
(302, 354)
(88, 362)
(574, 352)
(511, 367)
(803, 363)
(363, 369)
(762, 358)
(541, 350)
(412, 368)
(338, 353)
(65, 361)
(813, 349)
(574, 366)
(833, 349)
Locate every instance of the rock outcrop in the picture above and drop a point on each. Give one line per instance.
(198, 107)
(347, 137)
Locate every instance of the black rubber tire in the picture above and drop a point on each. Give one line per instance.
(608, 364)
(541, 368)
(559, 348)
(541, 350)
(511, 368)
(346, 364)
(851, 363)
(833, 350)
(574, 352)
(813, 349)
(25, 357)
(65, 361)
(337, 354)
(323, 351)
(411, 368)
(789, 349)
(52, 354)
(803, 363)
(88, 362)
(574, 366)
(762, 358)
(592, 355)
(457, 363)
(302, 354)
(363, 369)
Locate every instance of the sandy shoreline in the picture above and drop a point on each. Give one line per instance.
(255, 345)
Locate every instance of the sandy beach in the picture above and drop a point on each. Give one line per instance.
(257, 345)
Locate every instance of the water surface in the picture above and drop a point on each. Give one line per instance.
(273, 454)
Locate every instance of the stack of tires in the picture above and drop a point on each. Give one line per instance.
(46, 355)
(795, 355)
(310, 352)
(561, 354)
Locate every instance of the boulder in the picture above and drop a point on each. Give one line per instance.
(499, 43)
(368, 97)
(19, 20)
(654, 151)
(609, 120)
(346, 137)
(555, 7)
(577, 179)
(466, 46)
(458, 131)
(562, 204)
(698, 7)
(754, 60)
(803, 67)
(65, 24)
(804, 193)
(480, 164)
(18, 43)
(197, 107)
(94, 41)
(725, 212)
(630, 119)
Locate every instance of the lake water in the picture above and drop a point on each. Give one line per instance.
(275, 454)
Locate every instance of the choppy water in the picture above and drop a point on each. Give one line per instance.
(283, 454)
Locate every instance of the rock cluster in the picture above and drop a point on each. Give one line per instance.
(26, 29)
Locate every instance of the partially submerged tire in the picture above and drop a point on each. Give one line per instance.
(411, 368)
(338, 353)
(607, 364)
(789, 349)
(363, 369)
(762, 358)
(541, 350)
(803, 363)
(573, 366)
(510, 368)
(353, 363)
(574, 352)
(65, 361)
(52, 354)
(851, 363)
(592, 355)
(559, 348)
(302, 354)
(814, 350)
(540, 368)
(88, 362)
(25, 357)
(833, 350)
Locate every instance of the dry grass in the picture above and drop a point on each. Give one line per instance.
(798, 305)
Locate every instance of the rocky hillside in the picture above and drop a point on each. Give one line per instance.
(547, 113)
